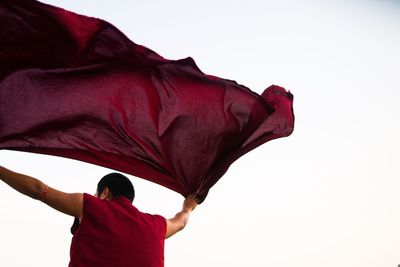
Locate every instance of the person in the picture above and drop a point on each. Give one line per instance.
(108, 230)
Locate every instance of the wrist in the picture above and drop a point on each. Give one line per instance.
(2, 169)
(186, 209)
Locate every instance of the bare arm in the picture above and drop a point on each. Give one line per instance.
(180, 220)
(71, 204)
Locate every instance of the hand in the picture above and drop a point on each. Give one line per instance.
(190, 202)
(180, 220)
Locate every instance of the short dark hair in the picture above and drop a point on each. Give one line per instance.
(118, 184)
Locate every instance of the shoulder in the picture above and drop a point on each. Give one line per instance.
(92, 206)
(89, 200)
(159, 223)
(156, 221)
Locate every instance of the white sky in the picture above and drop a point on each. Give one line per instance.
(326, 196)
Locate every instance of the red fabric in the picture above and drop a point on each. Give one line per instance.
(115, 233)
(76, 87)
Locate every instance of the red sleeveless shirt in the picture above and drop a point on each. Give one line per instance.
(115, 233)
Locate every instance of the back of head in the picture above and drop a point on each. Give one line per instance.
(118, 184)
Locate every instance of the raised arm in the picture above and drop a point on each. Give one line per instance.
(180, 220)
(71, 204)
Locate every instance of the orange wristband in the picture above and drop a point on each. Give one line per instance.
(43, 195)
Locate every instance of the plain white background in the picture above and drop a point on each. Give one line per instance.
(326, 196)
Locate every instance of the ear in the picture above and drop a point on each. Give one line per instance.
(106, 194)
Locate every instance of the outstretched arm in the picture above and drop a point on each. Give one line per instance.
(180, 220)
(71, 204)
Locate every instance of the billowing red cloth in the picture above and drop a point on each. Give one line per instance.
(115, 233)
(76, 87)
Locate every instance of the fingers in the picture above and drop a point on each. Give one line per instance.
(193, 196)
(190, 202)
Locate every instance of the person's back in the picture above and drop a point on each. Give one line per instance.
(115, 233)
